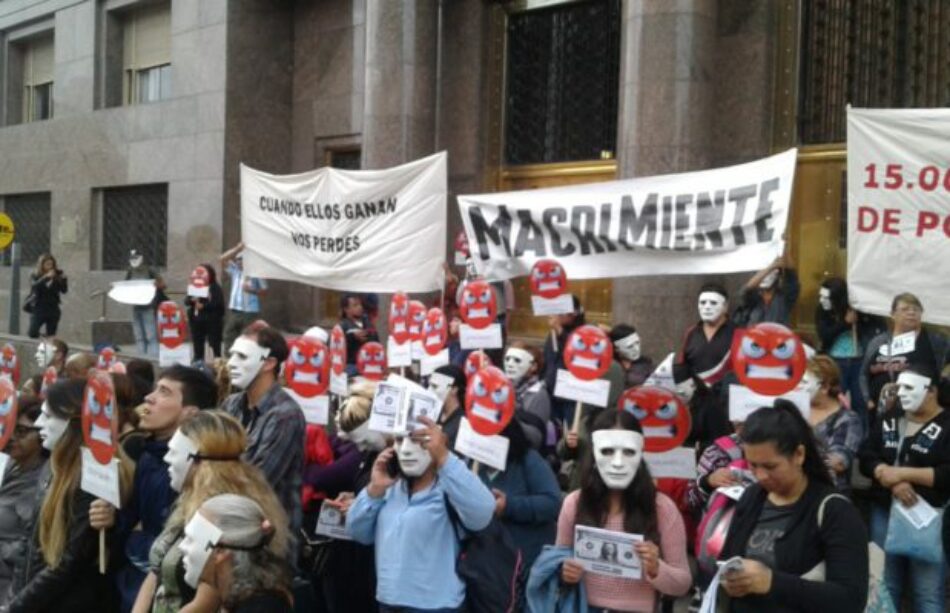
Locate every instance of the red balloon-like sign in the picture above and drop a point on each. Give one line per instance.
(489, 401)
(371, 361)
(399, 318)
(768, 358)
(107, 359)
(548, 279)
(200, 277)
(478, 307)
(664, 417)
(307, 369)
(337, 350)
(172, 327)
(435, 331)
(475, 361)
(10, 364)
(8, 410)
(50, 377)
(588, 353)
(100, 417)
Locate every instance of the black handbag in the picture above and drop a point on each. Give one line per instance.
(30, 303)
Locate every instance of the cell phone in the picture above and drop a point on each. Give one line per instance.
(392, 467)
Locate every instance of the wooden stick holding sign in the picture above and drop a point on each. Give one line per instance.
(577, 417)
(100, 431)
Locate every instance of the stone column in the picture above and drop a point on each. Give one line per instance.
(665, 126)
(400, 92)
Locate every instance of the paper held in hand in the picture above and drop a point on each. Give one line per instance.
(100, 480)
(605, 552)
(399, 404)
(398, 355)
(593, 392)
(331, 523)
(489, 450)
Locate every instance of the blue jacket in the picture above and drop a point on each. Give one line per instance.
(533, 501)
(545, 593)
(150, 505)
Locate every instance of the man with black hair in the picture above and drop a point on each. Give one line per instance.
(628, 353)
(357, 328)
(706, 352)
(275, 424)
(178, 395)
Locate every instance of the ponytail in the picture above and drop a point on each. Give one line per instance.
(784, 427)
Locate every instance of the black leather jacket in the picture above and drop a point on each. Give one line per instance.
(75, 585)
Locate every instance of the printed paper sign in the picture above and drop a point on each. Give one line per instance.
(679, 463)
(898, 209)
(338, 384)
(605, 552)
(920, 514)
(732, 491)
(348, 230)
(663, 375)
(398, 355)
(421, 403)
(316, 409)
(137, 292)
(385, 408)
(484, 338)
(429, 363)
(489, 450)
(552, 306)
(100, 480)
(723, 220)
(179, 355)
(903, 343)
(593, 392)
(331, 523)
(4, 460)
(743, 401)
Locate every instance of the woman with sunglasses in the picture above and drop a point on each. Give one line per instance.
(18, 499)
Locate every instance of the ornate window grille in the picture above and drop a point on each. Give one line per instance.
(31, 219)
(134, 218)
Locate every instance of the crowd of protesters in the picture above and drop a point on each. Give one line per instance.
(223, 447)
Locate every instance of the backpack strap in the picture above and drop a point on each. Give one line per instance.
(727, 444)
(460, 531)
(824, 501)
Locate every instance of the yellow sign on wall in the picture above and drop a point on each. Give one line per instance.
(6, 231)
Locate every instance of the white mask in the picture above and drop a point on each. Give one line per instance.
(618, 454)
(413, 458)
(245, 361)
(135, 261)
(517, 363)
(44, 354)
(51, 427)
(912, 390)
(769, 279)
(197, 546)
(364, 438)
(629, 347)
(711, 306)
(179, 459)
(824, 298)
(810, 384)
(440, 385)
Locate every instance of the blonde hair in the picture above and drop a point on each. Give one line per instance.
(78, 364)
(41, 260)
(218, 435)
(221, 378)
(65, 401)
(356, 408)
(827, 371)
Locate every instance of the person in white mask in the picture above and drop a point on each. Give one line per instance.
(628, 353)
(204, 460)
(276, 429)
(403, 511)
(51, 352)
(60, 564)
(836, 427)
(618, 494)
(907, 454)
(770, 295)
(532, 403)
(448, 382)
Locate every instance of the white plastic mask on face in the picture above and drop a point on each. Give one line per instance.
(711, 306)
(51, 427)
(364, 438)
(245, 361)
(44, 354)
(197, 545)
(912, 390)
(440, 384)
(179, 459)
(769, 279)
(810, 384)
(629, 347)
(618, 454)
(824, 298)
(135, 261)
(517, 363)
(413, 458)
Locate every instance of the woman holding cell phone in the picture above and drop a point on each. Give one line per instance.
(794, 544)
(617, 494)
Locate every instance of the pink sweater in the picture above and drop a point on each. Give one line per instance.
(635, 594)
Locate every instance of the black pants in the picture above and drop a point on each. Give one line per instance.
(39, 318)
(210, 331)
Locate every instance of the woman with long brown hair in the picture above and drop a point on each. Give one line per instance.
(204, 460)
(60, 572)
(47, 284)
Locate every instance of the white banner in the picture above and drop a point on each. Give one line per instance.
(899, 209)
(712, 221)
(356, 230)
